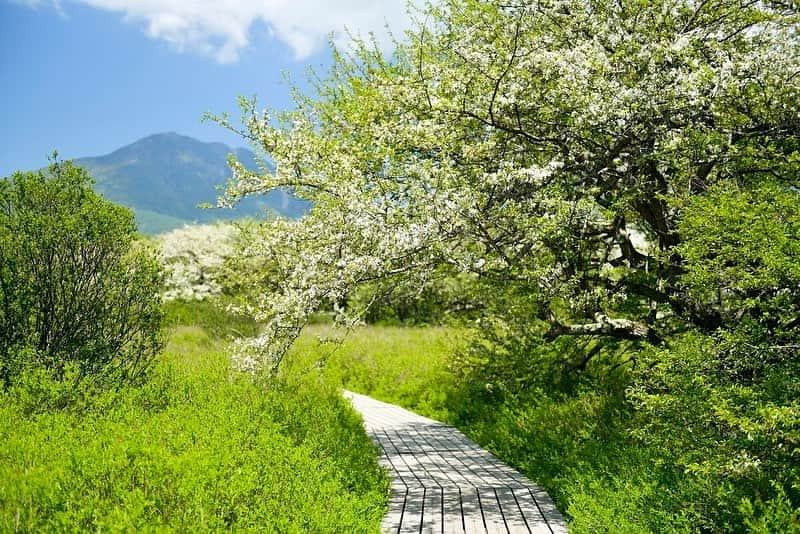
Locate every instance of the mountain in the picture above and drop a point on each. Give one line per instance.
(164, 177)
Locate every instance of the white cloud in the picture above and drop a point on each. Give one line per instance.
(221, 28)
(35, 4)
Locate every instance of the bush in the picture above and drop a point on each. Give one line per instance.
(734, 442)
(75, 288)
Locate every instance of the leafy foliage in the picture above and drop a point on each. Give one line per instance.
(742, 258)
(75, 289)
(735, 442)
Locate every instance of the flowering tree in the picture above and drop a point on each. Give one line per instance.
(544, 146)
(195, 257)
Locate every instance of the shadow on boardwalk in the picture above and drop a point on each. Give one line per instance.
(443, 482)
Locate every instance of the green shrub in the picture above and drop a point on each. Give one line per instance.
(732, 442)
(777, 514)
(74, 287)
(741, 253)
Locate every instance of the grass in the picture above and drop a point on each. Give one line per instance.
(407, 365)
(196, 448)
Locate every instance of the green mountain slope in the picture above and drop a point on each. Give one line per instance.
(164, 177)
(152, 223)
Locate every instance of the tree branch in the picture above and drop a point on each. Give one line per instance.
(604, 326)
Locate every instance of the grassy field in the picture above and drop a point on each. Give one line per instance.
(195, 449)
(406, 365)
(200, 448)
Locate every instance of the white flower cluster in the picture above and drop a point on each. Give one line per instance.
(193, 256)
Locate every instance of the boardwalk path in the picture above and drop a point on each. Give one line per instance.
(442, 482)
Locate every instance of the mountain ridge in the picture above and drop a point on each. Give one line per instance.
(163, 177)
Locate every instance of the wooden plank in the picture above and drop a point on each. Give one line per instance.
(437, 468)
(514, 478)
(472, 468)
(412, 514)
(452, 518)
(448, 439)
(400, 473)
(386, 443)
(408, 467)
(423, 437)
(394, 518)
(406, 443)
(530, 512)
(432, 521)
(492, 516)
(471, 511)
(452, 476)
(494, 473)
(417, 466)
(551, 514)
(463, 467)
(512, 514)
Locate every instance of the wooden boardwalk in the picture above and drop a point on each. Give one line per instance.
(444, 483)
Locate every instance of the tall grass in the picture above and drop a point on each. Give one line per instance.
(408, 365)
(196, 449)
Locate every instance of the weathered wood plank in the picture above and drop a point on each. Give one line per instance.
(432, 517)
(512, 514)
(394, 518)
(412, 515)
(551, 514)
(454, 478)
(514, 478)
(471, 510)
(452, 518)
(417, 465)
(436, 469)
(466, 467)
(530, 512)
(492, 516)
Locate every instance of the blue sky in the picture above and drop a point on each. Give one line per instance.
(85, 77)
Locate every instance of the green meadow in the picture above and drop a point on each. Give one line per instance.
(201, 448)
(196, 448)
